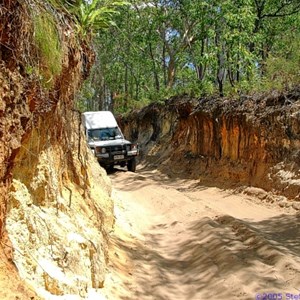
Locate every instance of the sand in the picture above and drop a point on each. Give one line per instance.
(176, 239)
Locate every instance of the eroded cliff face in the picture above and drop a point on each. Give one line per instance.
(251, 141)
(55, 201)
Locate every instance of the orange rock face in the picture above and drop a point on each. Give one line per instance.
(54, 218)
(252, 142)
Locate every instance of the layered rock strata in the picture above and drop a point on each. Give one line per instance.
(251, 141)
(55, 205)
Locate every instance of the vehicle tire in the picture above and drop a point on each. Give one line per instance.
(109, 168)
(131, 165)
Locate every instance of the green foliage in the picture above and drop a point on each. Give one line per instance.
(131, 104)
(162, 48)
(65, 3)
(49, 49)
(84, 98)
(283, 67)
(91, 16)
(95, 15)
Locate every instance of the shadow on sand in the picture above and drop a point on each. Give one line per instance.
(212, 261)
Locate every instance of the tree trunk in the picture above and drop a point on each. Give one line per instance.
(200, 69)
(164, 66)
(220, 87)
(155, 75)
(125, 104)
(221, 63)
(171, 72)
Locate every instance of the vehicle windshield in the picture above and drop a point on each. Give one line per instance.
(104, 134)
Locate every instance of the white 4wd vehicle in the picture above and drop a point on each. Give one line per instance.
(107, 142)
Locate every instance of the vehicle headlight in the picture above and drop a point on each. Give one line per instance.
(133, 147)
(103, 150)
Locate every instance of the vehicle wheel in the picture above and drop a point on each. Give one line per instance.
(109, 168)
(131, 165)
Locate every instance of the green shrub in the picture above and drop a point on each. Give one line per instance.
(49, 51)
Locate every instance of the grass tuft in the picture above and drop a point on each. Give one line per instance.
(49, 48)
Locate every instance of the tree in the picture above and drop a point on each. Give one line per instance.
(162, 47)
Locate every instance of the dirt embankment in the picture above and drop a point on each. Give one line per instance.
(251, 141)
(55, 204)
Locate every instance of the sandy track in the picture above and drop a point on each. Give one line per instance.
(176, 239)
